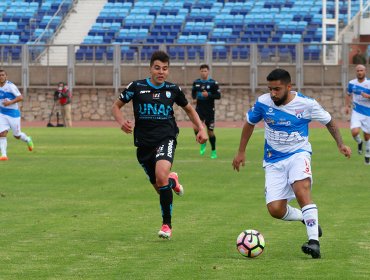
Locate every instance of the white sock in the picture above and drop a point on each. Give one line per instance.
(3, 146)
(357, 139)
(311, 220)
(367, 149)
(292, 214)
(24, 137)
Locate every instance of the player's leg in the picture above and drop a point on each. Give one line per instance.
(4, 128)
(162, 172)
(278, 192)
(300, 177)
(355, 130)
(203, 146)
(166, 182)
(3, 145)
(15, 124)
(210, 123)
(366, 130)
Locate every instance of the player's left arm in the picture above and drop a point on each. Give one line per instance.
(334, 131)
(8, 102)
(194, 118)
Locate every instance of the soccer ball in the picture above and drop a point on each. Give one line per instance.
(250, 243)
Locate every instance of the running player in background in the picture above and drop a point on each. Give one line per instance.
(155, 130)
(10, 116)
(359, 96)
(204, 92)
(287, 156)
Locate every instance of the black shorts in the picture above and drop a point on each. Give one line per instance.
(208, 118)
(148, 156)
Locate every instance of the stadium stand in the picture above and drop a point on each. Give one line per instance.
(28, 22)
(140, 26)
(190, 24)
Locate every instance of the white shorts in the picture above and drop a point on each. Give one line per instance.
(280, 176)
(7, 123)
(360, 121)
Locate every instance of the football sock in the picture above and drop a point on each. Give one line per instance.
(24, 137)
(165, 199)
(367, 148)
(212, 140)
(357, 138)
(3, 145)
(292, 214)
(311, 220)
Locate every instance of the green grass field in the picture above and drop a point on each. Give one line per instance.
(80, 207)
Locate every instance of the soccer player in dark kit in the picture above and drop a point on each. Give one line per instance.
(205, 91)
(155, 130)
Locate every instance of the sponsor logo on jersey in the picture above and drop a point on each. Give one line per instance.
(270, 111)
(168, 94)
(284, 122)
(268, 120)
(156, 95)
(155, 110)
(144, 91)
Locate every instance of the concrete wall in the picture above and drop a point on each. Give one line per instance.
(95, 104)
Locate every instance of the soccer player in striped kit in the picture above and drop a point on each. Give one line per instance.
(287, 156)
(10, 116)
(358, 97)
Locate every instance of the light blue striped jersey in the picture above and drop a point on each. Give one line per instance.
(9, 92)
(360, 104)
(286, 126)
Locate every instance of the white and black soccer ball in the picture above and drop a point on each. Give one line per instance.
(250, 243)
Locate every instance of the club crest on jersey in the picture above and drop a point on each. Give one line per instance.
(156, 95)
(299, 113)
(168, 94)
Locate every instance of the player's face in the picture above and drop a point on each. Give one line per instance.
(158, 72)
(204, 72)
(279, 92)
(360, 72)
(2, 78)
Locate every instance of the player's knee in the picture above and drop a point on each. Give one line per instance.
(4, 133)
(276, 212)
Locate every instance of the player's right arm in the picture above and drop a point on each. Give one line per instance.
(239, 158)
(126, 125)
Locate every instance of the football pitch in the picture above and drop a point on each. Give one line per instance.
(80, 207)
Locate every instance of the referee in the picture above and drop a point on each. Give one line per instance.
(204, 92)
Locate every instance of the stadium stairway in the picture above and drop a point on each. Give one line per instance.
(75, 28)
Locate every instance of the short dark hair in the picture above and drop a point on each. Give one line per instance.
(204, 66)
(161, 56)
(2, 70)
(279, 75)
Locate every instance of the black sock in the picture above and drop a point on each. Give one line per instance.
(212, 140)
(165, 199)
